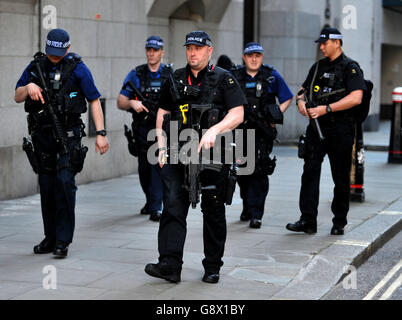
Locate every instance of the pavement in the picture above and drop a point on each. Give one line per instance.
(113, 242)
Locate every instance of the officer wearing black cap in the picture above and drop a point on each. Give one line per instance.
(215, 86)
(148, 79)
(262, 85)
(334, 86)
(56, 128)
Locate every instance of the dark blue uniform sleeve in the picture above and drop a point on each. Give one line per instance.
(126, 90)
(83, 76)
(280, 88)
(24, 79)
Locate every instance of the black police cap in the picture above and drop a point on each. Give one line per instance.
(199, 38)
(329, 34)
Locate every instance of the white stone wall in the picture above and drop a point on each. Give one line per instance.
(111, 45)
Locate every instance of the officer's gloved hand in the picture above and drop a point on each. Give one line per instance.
(138, 106)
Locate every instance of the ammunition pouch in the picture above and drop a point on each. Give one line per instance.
(47, 163)
(133, 147)
(265, 166)
(275, 113)
(37, 119)
(187, 90)
(28, 149)
(231, 185)
(301, 149)
(77, 157)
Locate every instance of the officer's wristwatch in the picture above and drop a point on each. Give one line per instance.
(328, 109)
(101, 132)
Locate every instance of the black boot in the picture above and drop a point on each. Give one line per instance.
(144, 209)
(155, 215)
(161, 270)
(302, 226)
(255, 223)
(210, 277)
(46, 246)
(61, 249)
(337, 231)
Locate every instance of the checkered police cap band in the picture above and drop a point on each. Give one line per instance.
(57, 44)
(155, 42)
(332, 36)
(253, 48)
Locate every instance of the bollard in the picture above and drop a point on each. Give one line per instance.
(395, 143)
(357, 168)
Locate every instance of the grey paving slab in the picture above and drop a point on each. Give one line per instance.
(11, 289)
(61, 293)
(113, 242)
(320, 270)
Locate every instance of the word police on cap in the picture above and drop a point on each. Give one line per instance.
(155, 42)
(57, 44)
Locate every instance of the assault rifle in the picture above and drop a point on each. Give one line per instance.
(260, 121)
(314, 122)
(151, 106)
(193, 170)
(58, 131)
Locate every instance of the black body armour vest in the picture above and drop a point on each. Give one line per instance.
(210, 93)
(256, 90)
(67, 97)
(150, 88)
(329, 86)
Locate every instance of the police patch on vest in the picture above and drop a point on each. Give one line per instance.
(353, 72)
(155, 83)
(250, 85)
(231, 82)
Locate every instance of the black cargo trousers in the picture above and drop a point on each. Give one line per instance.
(173, 225)
(338, 144)
(57, 180)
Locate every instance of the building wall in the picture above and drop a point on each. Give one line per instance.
(391, 71)
(110, 36)
(288, 29)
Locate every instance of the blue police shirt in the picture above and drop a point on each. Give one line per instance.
(132, 76)
(81, 75)
(277, 86)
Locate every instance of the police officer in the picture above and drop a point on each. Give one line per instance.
(262, 84)
(69, 82)
(148, 78)
(334, 85)
(219, 88)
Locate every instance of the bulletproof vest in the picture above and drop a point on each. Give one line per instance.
(66, 96)
(256, 90)
(209, 86)
(329, 85)
(150, 87)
